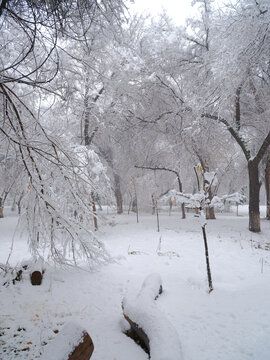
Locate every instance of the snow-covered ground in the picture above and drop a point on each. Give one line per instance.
(233, 322)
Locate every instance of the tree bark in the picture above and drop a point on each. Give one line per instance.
(210, 211)
(267, 187)
(254, 196)
(94, 210)
(1, 209)
(209, 276)
(181, 190)
(118, 194)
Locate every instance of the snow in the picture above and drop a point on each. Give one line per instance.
(151, 287)
(233, 322)
(211, 178)
(70, 336)
(143, 310)
(236, 197)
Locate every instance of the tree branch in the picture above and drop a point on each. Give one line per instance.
(263, 149)
(240, 141)
(3, 6)
(164, 169)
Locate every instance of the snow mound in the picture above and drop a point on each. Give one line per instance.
(163, 339)
(60, 348)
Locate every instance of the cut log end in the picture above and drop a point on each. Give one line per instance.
(84, 350)
(75, 344)
(36, 278)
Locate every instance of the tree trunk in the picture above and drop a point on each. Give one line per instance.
(94, 210)
(86, 120)
(118, 194)
(210, 211)
(209, 276)
(1, 209)
(181, 190)
(254, 197)
(267, 187)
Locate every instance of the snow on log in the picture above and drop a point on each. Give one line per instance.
(72, 343)
(151, 327)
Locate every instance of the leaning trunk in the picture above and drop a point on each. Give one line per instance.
(267, 188)
(254, 197)
(118, 194)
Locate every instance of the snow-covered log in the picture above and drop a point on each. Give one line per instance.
(150, 325)
(72, 343)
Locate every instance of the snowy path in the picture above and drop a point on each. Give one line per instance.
(231, 323)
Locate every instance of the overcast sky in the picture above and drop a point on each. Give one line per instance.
(178, 10)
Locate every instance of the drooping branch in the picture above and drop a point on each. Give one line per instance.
(164, 169)
(154, 168)
(240, 141)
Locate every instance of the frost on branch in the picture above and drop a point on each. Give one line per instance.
(236, 198)
(56, 180)
(58, 211)
(196, 200)
(210, 178)
(57, 203)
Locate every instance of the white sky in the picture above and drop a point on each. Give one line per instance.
(178, 10)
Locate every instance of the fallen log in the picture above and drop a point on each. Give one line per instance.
(149, 327)
(72, 343)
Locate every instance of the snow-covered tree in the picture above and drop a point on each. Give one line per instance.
(55, 175)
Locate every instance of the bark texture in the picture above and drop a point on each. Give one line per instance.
(210, 211)
(94, 210)
(84, 350)
(118, 194)
(254, 197)
(267, 187)
(36, 278)
(1, 208)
